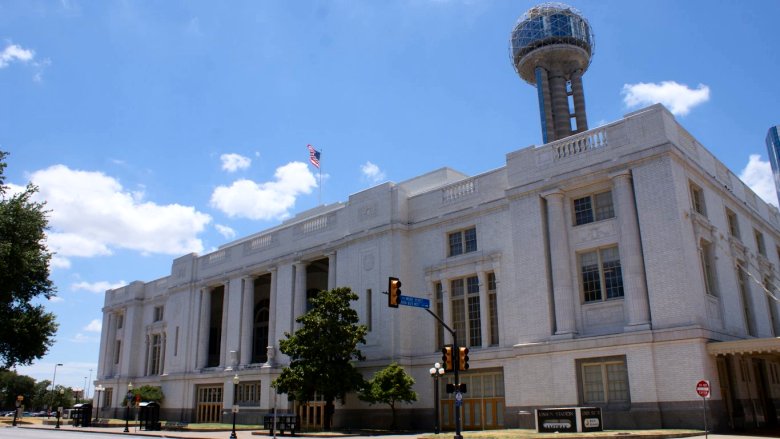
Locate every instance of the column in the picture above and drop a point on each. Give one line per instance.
(484, 308)
(272, 318)
(299, 294)
(563, 290)
(545, 104)
(497, 271)
(147, 348)
(223, 354)
(560, 104)
(106, 347)
(331, 270)
(247, 319)
(446, 306)
(203, 328)
(578, 96)
(634, 284)
(164, 350)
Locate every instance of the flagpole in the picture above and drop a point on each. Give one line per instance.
(319, 198)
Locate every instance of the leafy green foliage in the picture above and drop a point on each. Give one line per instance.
(13, 385)
(388, 386)
(28, 330)
(322, 351)
(148, 393)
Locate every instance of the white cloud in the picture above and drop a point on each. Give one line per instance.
(757, 174)
(56, 299)
(225, 231)
(94, 326)
(372, 172)
(234, 162)
(269, 200)
(13, 52)
(97, 287)
(92, 214)
(81, 338)
(679, 98)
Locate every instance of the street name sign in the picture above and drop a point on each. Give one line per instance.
(417, 302)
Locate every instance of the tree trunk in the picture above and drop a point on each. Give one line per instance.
(392, 423)
(327, 421)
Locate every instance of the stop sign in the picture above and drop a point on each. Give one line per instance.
(703, 388)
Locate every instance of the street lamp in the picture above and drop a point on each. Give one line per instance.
(54, 378)
(235, 407)
(99, 388)
(59, 409)
(127, 407)
(436, 371)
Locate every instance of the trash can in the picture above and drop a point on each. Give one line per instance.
(149, 416)
(82, 415)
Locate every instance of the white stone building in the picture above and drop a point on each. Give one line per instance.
(613, 268)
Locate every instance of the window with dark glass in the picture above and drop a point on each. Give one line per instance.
(602, 276)
(733, 221)
(158, 313)
(248, 394)
(708, 267)
(463, 241)
(493, 306)
(697, 200)
(593, 208)
(760, 242)
(466, 310)
(604, 380)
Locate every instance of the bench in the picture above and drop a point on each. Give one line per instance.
(174, 426)
(284, 422)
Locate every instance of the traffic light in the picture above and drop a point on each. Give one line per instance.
(463, 358)
(446, 358)
(393, 292)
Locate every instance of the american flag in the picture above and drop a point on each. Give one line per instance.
(314, 156)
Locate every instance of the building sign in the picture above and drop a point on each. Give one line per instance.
(591, 419)
(556, 420)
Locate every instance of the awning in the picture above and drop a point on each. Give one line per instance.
(745, 347)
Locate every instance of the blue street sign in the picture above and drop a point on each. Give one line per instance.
(417, 302)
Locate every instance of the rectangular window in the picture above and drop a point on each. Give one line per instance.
(744, 292)
(593, 208)
(770, 303)
(697, 200)
(117, 351)
(604, 380)
(158, 313)
(176, 343)
(493, 304)
(120, 321)
(466, 312)
(708, 267)
(463, 241)
(248, 394)
(733, 221)
(602, 276)
(155, 357)
(760, 242)
(108, 396)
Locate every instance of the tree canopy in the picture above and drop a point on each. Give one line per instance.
(322, 351)
(28, 330)
(389, 386)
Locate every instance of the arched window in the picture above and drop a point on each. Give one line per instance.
(260, 332)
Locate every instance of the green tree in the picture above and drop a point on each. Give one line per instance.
(322, 351)
(148, 393)
(389, 386)
(28, 330)
(12, 385)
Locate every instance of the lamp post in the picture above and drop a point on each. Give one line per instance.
(436, 371)
(235, 407)
(59, 409)
(99, 388)
(127, 407)
(54, 378)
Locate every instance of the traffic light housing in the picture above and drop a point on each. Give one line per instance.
(463, 358)
(446, 358)
(393, 292)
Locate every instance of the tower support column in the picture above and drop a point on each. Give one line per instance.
(560, 104)
(578, 96)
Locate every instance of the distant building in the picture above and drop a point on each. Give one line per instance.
(773, 149)
(614, 267)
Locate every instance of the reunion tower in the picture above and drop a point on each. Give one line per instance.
(551, 47)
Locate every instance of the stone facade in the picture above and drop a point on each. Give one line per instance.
(594, 270)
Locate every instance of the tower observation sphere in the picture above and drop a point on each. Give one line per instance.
(551, 47)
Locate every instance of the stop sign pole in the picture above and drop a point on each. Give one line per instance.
(703, 390)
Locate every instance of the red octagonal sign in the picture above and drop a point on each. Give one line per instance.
(703, 388)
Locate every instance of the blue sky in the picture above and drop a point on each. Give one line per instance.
(154, 129)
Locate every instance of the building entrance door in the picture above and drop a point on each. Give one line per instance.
(483, 402)
(209, 406)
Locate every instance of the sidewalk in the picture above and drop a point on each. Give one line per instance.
(217, 434)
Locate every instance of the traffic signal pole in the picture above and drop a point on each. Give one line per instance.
(455, 368)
